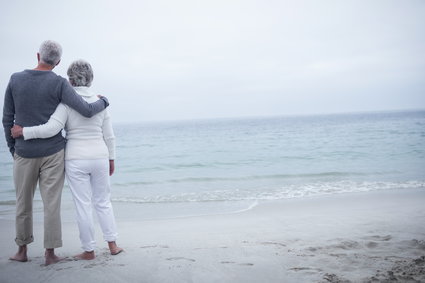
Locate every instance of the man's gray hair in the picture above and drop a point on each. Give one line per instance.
(80, 73)
(50, 52)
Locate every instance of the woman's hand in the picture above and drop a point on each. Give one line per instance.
(16, 131)
(111, 167)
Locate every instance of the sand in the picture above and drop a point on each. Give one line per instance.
(358, 237)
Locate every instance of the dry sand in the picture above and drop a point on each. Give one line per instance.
(361, 237)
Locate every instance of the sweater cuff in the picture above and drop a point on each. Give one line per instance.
(105, 100)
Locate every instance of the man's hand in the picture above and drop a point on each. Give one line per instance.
(111, 167)
(101, 97)
(16, 131)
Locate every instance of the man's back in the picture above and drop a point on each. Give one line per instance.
(32, 96)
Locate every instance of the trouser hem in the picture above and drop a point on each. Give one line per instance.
(20, 242)
(54, 245)
(110, 239)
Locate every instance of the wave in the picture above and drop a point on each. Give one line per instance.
(261, 177)
(7, 202)
(252, 177)
(6, 178)
(289, 191)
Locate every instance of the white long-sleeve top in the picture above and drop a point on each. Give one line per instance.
(87, 138)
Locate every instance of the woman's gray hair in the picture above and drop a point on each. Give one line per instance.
(80, 73)
(50, 52)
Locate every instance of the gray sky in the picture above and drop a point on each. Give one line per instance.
(185, 59)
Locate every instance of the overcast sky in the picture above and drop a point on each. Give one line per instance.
(190, 59)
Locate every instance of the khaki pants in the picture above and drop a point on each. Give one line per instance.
(50, 174)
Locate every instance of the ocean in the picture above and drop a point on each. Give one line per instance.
(182, 168)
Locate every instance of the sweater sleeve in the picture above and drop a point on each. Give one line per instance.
(76, 102)
(55, 124)
(108, 135)
(9, 117)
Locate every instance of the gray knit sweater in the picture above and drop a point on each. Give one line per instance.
(31, 98)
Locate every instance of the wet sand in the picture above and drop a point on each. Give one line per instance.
(359, 237)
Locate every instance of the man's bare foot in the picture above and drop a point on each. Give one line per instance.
(21, 255)
(114, 248)
(50, 256)
(85, 256)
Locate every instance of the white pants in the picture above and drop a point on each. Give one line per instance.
(90, 187)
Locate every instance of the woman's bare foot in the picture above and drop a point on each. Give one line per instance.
(86, 255)
(21, 255)
(114, 248)
(51, 257)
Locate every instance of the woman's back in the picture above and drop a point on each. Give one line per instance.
(86, 136)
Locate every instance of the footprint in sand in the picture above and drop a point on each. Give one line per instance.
(155, 246)
(333, 278)
(379, 238)
(273, 244)
(305, 269)
(181, 258)
(371, 245)
(375, 239)
(420, 244)
(227, 262)
(59, 269)
(314, 249)
(232, 262)
(90, 265)
(346, 245)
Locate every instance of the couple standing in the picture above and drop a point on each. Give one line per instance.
(44, 103)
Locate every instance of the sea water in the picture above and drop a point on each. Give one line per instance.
(181, 168)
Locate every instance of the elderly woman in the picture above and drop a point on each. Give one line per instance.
(89, 160)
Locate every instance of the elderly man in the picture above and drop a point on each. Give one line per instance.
(31, 98)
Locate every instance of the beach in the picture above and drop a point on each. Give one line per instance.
(322, 198)
(375, 236)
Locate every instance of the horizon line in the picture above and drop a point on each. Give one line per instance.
(272, 116)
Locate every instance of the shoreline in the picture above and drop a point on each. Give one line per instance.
(185, 208)
(354, 237)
